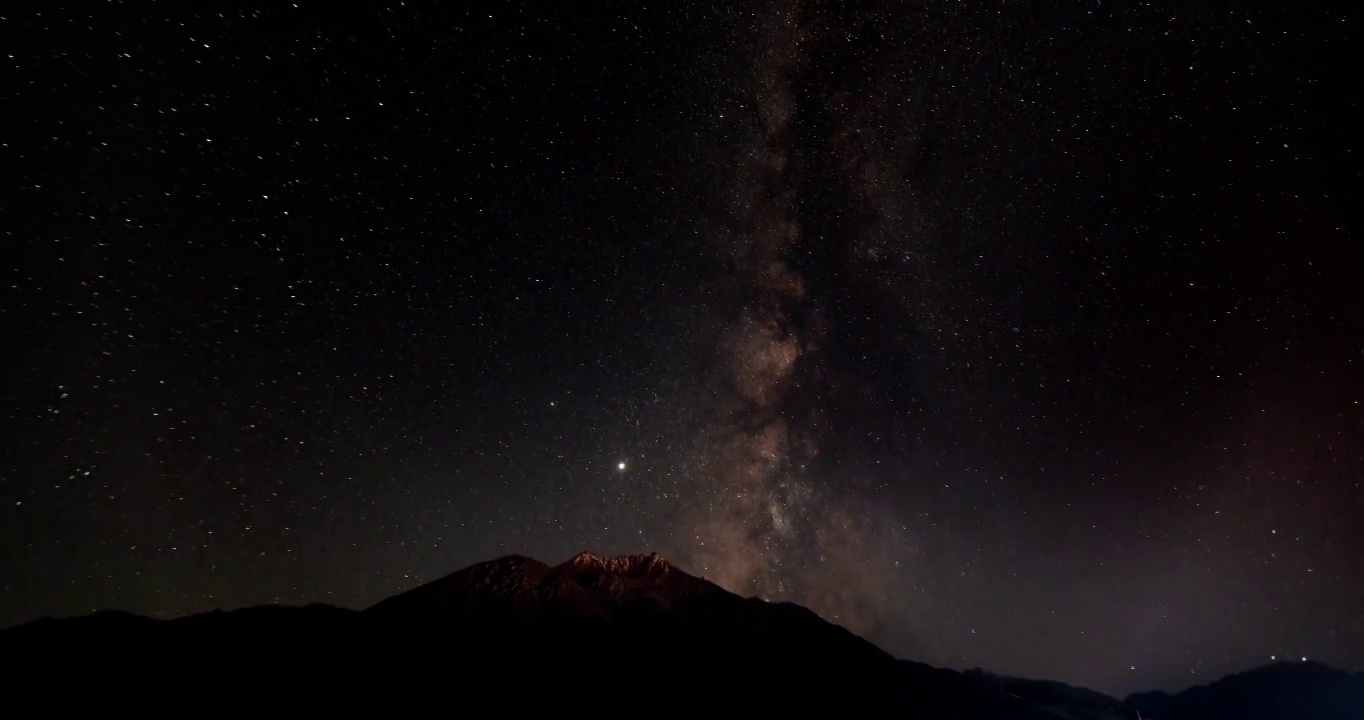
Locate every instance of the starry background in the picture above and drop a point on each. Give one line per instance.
(1008, 340)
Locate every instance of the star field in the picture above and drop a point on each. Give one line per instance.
(1011, 341)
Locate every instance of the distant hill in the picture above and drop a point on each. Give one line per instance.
(1297, 690)
(631, 635)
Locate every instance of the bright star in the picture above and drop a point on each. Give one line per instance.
(620, 465)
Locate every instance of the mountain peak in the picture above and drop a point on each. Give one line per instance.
(631, 566)
(516, 586)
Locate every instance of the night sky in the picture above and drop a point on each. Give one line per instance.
(1024, 342)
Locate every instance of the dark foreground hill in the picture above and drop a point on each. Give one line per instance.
(617, 636)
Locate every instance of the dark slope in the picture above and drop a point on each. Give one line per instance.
(640, 622)
(1057, 699)
(1283, 691)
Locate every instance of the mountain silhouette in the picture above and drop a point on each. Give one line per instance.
(1297, 690)
(618, 635)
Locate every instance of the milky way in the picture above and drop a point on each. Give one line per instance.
(774, 525)
(756, 451)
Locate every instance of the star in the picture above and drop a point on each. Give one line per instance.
(620, 465)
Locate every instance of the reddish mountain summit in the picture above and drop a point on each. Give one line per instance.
(522, 588)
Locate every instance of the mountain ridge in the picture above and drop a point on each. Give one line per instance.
(629, 621)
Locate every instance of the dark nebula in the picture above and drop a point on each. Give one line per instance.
(1021, 341)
